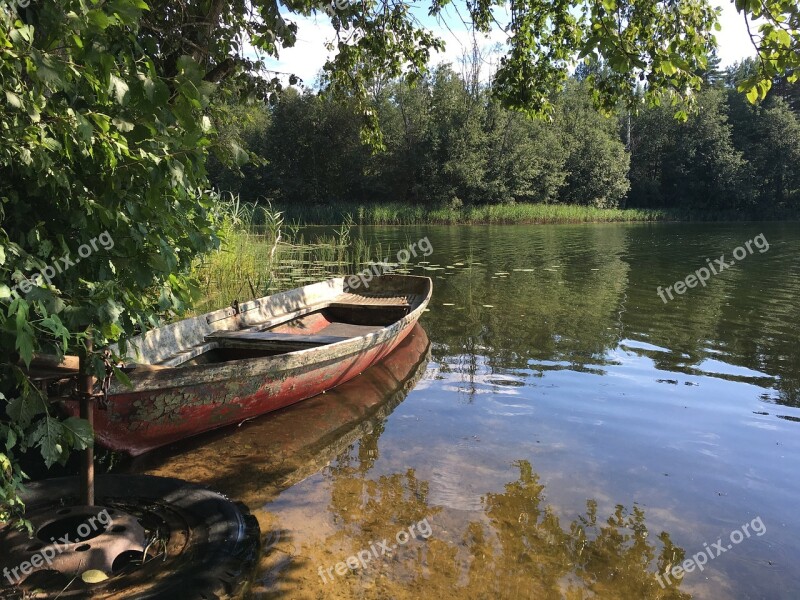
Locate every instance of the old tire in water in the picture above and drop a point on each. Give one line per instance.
(203, 546)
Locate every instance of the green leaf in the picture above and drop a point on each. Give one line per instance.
(118, 88)
(122, 125)
(240, 156)
(25, 340)
(189, 67)
(783, 37)
(122, 377)
(763, 87)
(56, 327)
(111, 311)
(11, 438)
(98, 18)
(23, 409)
(51, 144)
(13, 99)
(102, 121)
(49, 436)
(80, 433)
(93, 576)
(156, 91)
(25, 156)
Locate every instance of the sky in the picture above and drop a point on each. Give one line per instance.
(308, 55)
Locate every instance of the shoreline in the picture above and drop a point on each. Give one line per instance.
(395, 214)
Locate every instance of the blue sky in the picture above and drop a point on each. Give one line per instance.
(309, 54)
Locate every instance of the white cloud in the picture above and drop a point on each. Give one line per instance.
(306, 57)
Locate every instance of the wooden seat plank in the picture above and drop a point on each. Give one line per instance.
(347, 330)
(370, 301)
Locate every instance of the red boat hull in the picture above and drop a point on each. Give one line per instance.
(138, 422)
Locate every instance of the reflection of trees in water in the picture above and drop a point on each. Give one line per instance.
(610, 558)
(524, 552)
(747, 314)
(562, 311)
(604, 290)
(371, 510)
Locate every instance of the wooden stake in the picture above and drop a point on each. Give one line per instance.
(86, 382)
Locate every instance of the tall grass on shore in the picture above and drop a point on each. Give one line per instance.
(406, 214)
(261, 255)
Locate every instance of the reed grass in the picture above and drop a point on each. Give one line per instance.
(521, 214)
(405, 214)
(261, 255)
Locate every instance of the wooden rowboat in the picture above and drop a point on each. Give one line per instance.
(292, 444)
(259, 356)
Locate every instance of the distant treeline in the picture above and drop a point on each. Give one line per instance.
(449, 144)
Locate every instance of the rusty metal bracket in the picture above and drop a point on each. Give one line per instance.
(100, 398)
(106, 383)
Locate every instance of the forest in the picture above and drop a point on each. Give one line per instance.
(448, 142)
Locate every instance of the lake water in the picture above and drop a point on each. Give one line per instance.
(556, 431)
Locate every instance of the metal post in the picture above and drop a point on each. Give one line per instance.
(85, 389)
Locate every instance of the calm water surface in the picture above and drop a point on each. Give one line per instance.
(562, 430)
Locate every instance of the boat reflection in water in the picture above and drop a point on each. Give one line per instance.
(512, 544)
(261, 457)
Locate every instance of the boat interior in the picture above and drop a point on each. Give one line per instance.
(335, 323)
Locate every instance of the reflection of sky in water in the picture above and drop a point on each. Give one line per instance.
(718, 367)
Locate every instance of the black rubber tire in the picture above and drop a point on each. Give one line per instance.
(217, 559)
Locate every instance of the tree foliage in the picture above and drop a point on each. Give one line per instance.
(448, 142)
(95, 143)
(731, 155)
(693, 164)
(664, 44)
(445, 143)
